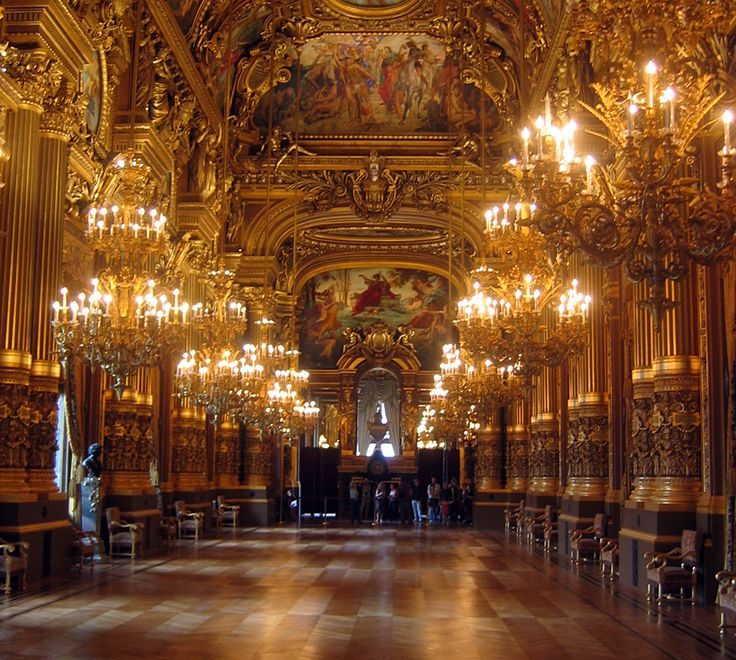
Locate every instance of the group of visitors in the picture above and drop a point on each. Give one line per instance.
(403, 501)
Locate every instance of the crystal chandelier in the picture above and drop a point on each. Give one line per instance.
(646, 209)
(125, 322)
(502, 331)
(217, 376)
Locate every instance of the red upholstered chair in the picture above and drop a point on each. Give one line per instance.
(84, 547)
(587, 542)
(125, 536)
(13, 561)
(675, 571)
(190, 523)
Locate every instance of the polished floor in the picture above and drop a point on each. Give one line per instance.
(355, 593)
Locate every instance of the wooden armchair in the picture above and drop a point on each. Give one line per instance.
(609, 558)
(676, 570)
(586, 543)
(226, 515)
(84, 546)
(549, 533)
(726, 597)
(190, 524)
(14, 561)
(512, 519)
(534, 524)
(124, 536)
(169, 529)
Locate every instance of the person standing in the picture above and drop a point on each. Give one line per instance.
(393, 503)
(354, 502)
(405, 495)
(416, 501)
(380, 506)
(468, 497)
(433, 501)
(366, 497)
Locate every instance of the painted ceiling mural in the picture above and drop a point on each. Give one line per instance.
(351, 298)
(367, 83)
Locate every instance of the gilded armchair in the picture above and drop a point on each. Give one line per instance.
(14, 561)
(587, 542)
(124, 536)
(512, 519)
(226, 515)
(609, 558)
(726, 597)
(675, 571)
(534, 524)
(84, 547)
(190, 524)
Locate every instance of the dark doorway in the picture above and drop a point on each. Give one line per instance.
(319, 481)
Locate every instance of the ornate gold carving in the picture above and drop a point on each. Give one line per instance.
(37, 74)
(42, 421)
(189, 444)
(587, 446)
(258, 459)
(15, 413)
(226, 449)
(127, 438)
(379, 344)
(675, 427)
(488, 460)
(544, 454)
(375, 192)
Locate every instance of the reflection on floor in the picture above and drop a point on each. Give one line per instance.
(357, 593)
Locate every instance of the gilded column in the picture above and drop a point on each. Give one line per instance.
(675, 421)
(188, 451)
(544, 442)
(587, 434)
(18, 213)
(258, 458)
(45, 370)
(226, 455)
(517, 447)
(642, 475)
(488, 464)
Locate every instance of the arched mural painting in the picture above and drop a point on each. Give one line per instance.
(352, 298)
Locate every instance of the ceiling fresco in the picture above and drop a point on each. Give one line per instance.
(358, 84)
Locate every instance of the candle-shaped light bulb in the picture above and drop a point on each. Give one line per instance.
(727, 121)
(589, 162)
(669, 98)
(651, 71)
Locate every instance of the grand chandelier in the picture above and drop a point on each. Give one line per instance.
(125, 322)
(502, 330)
(646, 208)
(217, 377)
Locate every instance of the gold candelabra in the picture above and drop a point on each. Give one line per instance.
(656, 89)
(125, 322)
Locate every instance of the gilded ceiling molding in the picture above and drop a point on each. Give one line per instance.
(543, 74)
(172, 35)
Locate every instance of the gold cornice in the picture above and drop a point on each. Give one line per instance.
(55, 28)
(147, 142)
(162, 15)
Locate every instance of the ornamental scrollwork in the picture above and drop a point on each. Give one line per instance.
(14, 422)
(675, 426)
(43, 419)
(587, 446)
(375, 192)
(517, 460)
(642, 448)
(544, 454)
(127, 442)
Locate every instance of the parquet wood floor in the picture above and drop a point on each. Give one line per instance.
(355, 593)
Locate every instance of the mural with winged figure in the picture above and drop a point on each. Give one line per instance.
(357, 84)
(352, 298)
